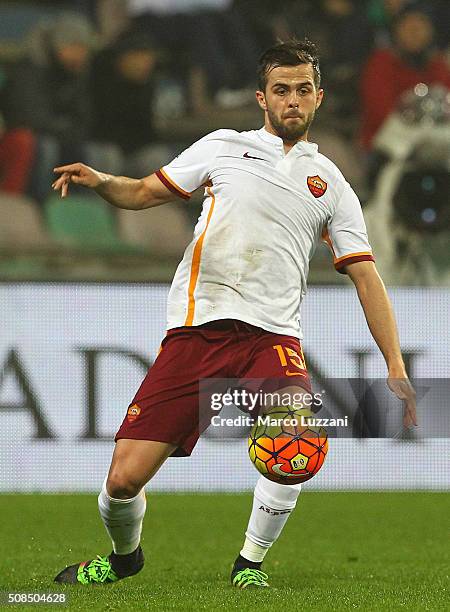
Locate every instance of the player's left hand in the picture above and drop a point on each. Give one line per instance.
(404, 390)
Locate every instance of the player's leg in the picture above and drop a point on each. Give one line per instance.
(278, 359)
(272, 505)
(163, 419)
(122, 506)
(122, 501)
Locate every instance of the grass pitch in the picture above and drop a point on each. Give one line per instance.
(339, 551)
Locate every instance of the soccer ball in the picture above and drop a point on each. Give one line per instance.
(283, 448)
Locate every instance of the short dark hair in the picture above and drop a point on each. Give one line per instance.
(290, 53)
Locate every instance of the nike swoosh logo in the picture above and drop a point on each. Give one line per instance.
(277, 469)
(247, 156)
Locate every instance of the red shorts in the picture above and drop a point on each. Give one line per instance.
(166, 406)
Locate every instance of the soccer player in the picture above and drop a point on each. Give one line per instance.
(233, 308)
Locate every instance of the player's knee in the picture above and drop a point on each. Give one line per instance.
(277, 496)
(121, 485)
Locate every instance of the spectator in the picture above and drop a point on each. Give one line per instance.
(345, 39)
(382, 14)
(47, 96)
(17, 149)
(390, 72)
(123, 87)
(185, 29)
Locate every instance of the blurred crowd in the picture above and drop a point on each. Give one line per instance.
(101, 84)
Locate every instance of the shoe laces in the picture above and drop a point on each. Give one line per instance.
(249, 576)
(97, 570)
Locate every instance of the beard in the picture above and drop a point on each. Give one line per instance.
(291, 131)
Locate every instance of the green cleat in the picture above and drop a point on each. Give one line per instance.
(249, 577)
(100, 570)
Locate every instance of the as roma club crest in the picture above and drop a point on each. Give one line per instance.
(316, 185)
(133, 412)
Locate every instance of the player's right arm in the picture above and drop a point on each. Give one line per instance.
(179, 178)
(120, 191)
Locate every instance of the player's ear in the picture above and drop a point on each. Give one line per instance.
(319, 98)
(261, 99)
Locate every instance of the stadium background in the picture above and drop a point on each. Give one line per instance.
(83, 289)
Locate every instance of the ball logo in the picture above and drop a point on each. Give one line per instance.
(316, 185)
(299, 462)
(133, 412)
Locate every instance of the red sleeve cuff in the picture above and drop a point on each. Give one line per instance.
(173, 187)
(349, 259)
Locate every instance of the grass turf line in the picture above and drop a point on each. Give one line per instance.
(339, 551)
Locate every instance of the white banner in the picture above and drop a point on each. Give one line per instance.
(72, 357)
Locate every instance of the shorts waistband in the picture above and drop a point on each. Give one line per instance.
(227, 325)
(231, 324)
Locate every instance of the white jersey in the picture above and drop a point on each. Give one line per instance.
(263, 215)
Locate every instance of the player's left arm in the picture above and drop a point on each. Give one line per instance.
(381, 321)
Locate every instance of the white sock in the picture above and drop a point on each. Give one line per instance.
(272, 505)
(122, 519)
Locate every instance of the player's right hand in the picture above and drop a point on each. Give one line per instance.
(79, 174)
